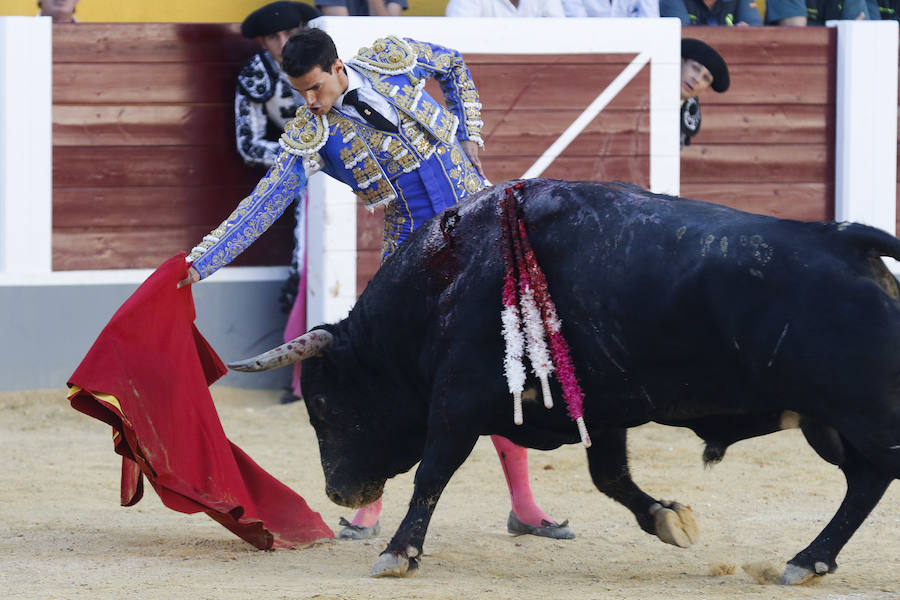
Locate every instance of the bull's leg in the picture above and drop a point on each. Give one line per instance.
(865, 487)
(671, 522)
(442, 457)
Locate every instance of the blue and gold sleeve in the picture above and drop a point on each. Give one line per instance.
(460, 95)
(256, 213)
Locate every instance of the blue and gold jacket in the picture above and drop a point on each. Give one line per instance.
(351, 151)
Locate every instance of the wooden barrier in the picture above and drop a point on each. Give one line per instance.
(144, 160)
(767, 144)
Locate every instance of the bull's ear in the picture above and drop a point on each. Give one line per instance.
(310, 344)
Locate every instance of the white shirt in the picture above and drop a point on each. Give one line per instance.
(368, 95)
(505, 8)
(611, 8)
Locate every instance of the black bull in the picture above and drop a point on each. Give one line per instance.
(676, 311)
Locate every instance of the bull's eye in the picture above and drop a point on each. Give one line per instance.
(317, 405)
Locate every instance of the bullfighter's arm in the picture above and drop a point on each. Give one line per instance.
(256, 213)
(449, 69)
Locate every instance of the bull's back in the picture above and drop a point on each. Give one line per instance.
(695, 292)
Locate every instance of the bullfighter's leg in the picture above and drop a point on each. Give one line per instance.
(441, 459)
(365, 523)
(865, 487)
(671, 522)
(526, 516)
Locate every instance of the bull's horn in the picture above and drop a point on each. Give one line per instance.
(307, 345)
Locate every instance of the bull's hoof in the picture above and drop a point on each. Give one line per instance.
(797, 575)
(556, 531)
(675, 523)
(357, 532)
(394, 565)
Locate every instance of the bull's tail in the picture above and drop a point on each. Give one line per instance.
(869, 240)
(872, 244)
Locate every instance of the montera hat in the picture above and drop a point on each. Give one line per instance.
(704, 54)
(277, 16)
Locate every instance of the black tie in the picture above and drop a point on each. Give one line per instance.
(372, 116)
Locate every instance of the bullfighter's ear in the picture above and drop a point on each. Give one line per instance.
(310, 344)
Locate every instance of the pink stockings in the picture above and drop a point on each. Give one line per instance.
(514, 460)
(368, 514)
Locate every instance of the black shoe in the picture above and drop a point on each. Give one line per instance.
(357, 532)
(289, 396)
(556, 531)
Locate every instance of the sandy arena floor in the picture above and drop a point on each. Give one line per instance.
(63, 534)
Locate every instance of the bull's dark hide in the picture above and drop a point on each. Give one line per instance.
(676, 311)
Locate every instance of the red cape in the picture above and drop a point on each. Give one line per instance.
(148, 376)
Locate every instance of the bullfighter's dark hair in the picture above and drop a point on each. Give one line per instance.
(308, 49)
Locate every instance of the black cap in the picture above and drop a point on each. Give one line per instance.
(704, 54)
(277, 16)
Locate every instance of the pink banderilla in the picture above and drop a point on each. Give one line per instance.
(533, 304)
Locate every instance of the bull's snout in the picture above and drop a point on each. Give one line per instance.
(355, 498)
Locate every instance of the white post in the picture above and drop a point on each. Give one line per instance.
(866, 123)
(25, 145)
(665, 103)
(331, 251)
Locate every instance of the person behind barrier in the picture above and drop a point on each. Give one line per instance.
(789, 13)
(712, 12)
(505, 8)
(61, 11)
(264, 100)
(616, 9)
(702, 68)
(820, 11)
(362, 8)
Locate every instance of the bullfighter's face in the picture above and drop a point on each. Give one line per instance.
(361, 444)
(321, 89)
(695, 78)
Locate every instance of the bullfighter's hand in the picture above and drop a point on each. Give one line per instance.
(193, 277)
(471, 150)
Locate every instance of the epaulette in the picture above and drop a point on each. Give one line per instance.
(388, 55)
(257, 79)
(305, 134)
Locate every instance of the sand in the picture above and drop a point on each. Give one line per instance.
(63, 534)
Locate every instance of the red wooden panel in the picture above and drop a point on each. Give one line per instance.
(144, 125)
(766, 124)
(801, 201)
(767, 45)
(142, 83)
(530, 133)
(151, 42)
(532, 87)
(474, 59)
(738, 163)
(135, 166)
(125, 248)
(634, 169)
(369, 228)
(89, 208)
(771, 84)
(367, 263)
